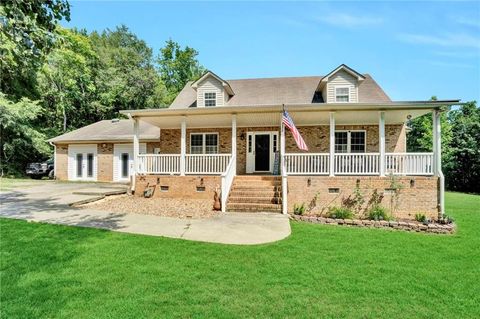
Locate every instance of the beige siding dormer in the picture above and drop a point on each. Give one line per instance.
(344, 80)
(211, 85)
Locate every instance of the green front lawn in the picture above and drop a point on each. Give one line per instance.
(319, 271)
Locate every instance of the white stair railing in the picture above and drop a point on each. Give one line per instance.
(227, 181)
(409, 163)
(206, 163)
(307, 163)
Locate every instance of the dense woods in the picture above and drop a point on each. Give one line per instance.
(54, 80)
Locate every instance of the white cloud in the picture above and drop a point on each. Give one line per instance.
(467, 21)
(451, 64)
(350, 21)
(446, 40)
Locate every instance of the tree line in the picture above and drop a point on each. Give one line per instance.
(54, 79)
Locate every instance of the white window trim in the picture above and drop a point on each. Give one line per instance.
(342, 87)
(349, 141)
(205, 99)
(204, 141)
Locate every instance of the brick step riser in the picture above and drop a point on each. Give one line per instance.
(252, 200)
(255, 207)
(259, 178)
(256, 189)
(263, 210)
(257, 184)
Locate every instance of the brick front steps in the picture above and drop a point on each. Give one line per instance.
(255, 194)
(399, 225)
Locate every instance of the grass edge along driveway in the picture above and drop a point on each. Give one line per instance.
(319, 271)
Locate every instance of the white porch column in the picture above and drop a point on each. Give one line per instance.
(437, 158)
(381, 139)
(183, 145)
(136, 151)
(234, 142)
(332, 144)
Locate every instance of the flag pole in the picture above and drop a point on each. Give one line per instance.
(282, 142)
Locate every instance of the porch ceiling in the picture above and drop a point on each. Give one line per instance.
(273, 118)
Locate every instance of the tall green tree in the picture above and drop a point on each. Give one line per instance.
(462, 170)
(66, 81)
(177, 66)
(126, 78)
(20, 140)
(27, 33)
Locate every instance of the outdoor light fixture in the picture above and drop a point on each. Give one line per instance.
(242, 136)
(409, 117)
(309, 181)
(104, 145)
(201, 181)
(412, 183)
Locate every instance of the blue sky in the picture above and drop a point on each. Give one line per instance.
(413, 50)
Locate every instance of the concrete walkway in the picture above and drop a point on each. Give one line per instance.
(48, 202)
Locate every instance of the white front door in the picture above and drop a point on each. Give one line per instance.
(123, 161)
(261, 149)
(82, 162)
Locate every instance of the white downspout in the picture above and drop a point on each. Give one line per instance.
(332, 144)
(136, 151)
(381, 131)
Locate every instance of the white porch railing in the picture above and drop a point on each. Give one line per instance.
(409, 163)
(307, 163)
(159, 163)
(206, 163)
(227, 180)
(357, 163)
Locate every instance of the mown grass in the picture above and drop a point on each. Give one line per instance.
(318, 272)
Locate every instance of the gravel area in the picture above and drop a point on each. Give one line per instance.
(167, 207)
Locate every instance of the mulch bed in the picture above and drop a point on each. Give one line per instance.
(167, 207)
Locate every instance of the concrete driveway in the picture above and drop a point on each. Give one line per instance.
(49, 202)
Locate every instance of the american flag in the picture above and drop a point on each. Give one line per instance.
(288, 122)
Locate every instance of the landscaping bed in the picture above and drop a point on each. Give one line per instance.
(399, 225)
(167, 207)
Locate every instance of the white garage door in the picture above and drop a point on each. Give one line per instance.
(82, 162)
(123, 161)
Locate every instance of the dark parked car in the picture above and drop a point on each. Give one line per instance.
(39, 170)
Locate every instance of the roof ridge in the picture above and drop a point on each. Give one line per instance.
(279, 77)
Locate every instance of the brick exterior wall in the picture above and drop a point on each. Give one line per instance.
(104, 161)
(316, 137)
(61, 162)
(179, 186)
(419, 196)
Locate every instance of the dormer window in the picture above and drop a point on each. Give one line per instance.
(342, 94)
(210, 99)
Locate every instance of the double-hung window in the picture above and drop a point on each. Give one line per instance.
(210, 99)
(350, 141)
(342, 94)
(204, 143)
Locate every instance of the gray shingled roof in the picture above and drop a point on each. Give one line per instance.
(271, 91)
(108, 130)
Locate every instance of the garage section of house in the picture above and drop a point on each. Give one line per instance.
(102, 151)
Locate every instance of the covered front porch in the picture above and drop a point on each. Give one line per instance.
(343, 140)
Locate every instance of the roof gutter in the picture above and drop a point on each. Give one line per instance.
(310, 107)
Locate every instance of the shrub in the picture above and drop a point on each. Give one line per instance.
(340, 212)
(378, 213)
(419, 217)
(299, 209)
(446, 220)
